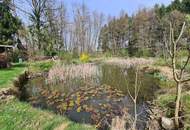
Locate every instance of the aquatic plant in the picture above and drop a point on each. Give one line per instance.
(129, 62)
(102, 102)
(61, 73)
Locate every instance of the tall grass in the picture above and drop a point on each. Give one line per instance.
(129, 62)
(63, 73)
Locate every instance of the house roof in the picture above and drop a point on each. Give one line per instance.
(7, 46)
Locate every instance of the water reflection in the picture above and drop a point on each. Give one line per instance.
(96, 99)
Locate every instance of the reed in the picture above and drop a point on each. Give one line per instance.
(129, 62)
(63, 73)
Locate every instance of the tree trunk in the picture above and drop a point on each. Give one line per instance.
(177, 108)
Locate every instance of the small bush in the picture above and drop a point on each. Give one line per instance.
(41, 66)
(123, 52)
(160, 76)
(161, 62)
(66, 56)
(84, 58)
(182, 53)
(144, 53)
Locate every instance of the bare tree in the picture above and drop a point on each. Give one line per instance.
(62, 25)
(134, 99)
(38, 7)
(173, 49)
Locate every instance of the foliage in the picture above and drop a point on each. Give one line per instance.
(144, 53)
(160, 62)
(145, 31)
(84, 57)
(9, 24)
(118, 28)
(185, 6)
(123, 52)
(37, 27)
(160, 76)
(40, 66)
(164, 82)
(108, 54)
(67, 57)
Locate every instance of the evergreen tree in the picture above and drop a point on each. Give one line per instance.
(175, 5)
(185, 6)
(9, 24)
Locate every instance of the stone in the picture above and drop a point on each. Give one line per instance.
(167, 123)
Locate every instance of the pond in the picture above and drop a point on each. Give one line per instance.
(96, 99)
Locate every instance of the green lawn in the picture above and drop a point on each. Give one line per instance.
(21, 116)
(8, 75)
(16, 115)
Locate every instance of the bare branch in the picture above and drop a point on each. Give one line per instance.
(186, 80)
(184, 66)
(181, 33)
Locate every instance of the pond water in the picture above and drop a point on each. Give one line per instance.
(96, 99)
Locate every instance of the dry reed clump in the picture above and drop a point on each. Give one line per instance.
(62, 73)
(123, 123)
(130, 62)
(118, 123)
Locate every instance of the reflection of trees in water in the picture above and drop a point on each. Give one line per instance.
(121, 78)
(90, 100)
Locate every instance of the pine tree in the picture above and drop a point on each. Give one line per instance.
(9, 24)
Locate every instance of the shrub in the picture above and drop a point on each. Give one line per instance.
(84, 57)
(161, 62)
(144, 53)
(182, 53)
(123, 52)
(42, 66)
(66, 56)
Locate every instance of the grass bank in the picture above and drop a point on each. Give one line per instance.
(16, 115)
(168, 88)
(7, 76)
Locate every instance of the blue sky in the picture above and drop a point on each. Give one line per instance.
(108, 7)
(113, 7)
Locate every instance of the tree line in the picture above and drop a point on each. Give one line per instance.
(146, 32)
(53, 28)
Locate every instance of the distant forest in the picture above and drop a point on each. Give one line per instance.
(53, 29)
